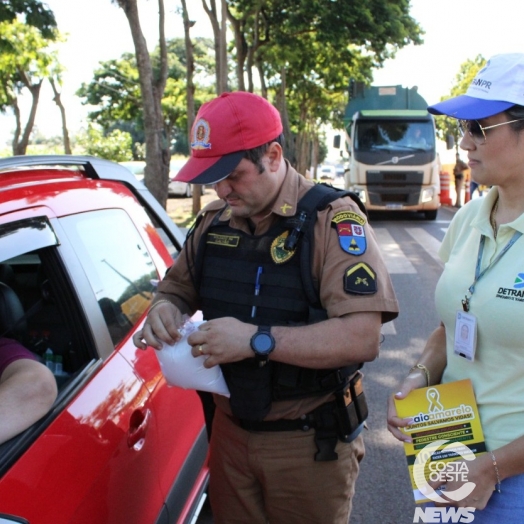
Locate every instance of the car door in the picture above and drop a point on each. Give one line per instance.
(93, 457)
(118, 262)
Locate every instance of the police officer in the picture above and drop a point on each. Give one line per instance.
(294, 290)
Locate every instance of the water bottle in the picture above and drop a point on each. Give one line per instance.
(59, 371)
(49, 359)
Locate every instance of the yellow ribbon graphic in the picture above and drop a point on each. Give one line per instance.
(434, 403)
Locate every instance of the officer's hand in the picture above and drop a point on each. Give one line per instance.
(412, 381)
(222, 340)
(161, 326)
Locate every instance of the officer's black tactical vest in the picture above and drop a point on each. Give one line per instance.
(226, 266)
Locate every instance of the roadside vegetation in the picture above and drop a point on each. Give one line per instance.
(300, 54)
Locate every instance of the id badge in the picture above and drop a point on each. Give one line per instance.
(465, 335)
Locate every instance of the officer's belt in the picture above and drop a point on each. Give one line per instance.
(304, 423)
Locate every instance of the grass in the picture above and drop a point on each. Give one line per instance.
(180, 209)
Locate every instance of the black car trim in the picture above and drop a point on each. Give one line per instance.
(4, 518)
(186, 479)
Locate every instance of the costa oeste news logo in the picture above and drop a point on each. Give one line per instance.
(440, 471)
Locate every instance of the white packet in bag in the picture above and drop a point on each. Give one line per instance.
(181, 369)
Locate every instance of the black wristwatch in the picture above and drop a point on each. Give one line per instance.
(262, 343)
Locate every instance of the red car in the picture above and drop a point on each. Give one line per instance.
(82, 245)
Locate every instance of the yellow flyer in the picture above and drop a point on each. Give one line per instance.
(445, 428)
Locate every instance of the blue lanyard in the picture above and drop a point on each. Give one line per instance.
(478, 273)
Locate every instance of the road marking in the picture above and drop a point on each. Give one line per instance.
(388, 328)
(396, 261)
(430, 244)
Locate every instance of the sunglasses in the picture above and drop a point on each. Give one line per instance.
(476, 131)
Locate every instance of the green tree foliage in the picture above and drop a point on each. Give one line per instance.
(35, 13)
(114, 91)
(116, 145)
(468, 70)
(24, 64)
(306, 51)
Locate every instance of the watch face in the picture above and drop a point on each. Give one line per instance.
(263, 342)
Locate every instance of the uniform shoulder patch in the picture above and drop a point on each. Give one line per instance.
(351, 232)
(360, 279)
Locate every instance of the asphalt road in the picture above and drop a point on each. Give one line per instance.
(409, 244)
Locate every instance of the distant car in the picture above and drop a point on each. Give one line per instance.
(326, 172)
(82, 247)
(176, 188)
(339, 170)
(136, 167)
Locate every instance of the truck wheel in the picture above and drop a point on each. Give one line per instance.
(431, 215)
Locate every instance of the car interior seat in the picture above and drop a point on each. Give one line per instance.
(13, 322)
(7, 275)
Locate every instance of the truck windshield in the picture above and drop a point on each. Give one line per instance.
(394, 135)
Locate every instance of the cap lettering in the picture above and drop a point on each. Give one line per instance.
(486, 84)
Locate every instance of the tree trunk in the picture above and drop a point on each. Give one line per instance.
(157, 149)
(314, 157)
(58, 101)
(241, 49)
(219, 35)
(302, 143)
(224, 70)
(289, 143)
(190, 95)
(20, 148)
(18, 128)
(262, 78)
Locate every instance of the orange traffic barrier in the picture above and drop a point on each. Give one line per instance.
(445, 198)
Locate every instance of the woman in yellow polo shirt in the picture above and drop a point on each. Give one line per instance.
(482, 285)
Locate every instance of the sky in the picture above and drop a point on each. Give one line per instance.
(97, 30)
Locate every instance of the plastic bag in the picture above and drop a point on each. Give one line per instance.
(181, 369)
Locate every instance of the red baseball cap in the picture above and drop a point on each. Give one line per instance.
(224, 129)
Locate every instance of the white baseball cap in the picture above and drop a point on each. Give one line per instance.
(497, 86)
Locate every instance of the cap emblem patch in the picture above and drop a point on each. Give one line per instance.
(201, 135)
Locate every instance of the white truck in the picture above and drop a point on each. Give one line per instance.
(392, 146)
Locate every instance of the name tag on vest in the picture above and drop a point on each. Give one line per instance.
(223, 240)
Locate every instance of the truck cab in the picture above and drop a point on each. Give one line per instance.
(392, 143)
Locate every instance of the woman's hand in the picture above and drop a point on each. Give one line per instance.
(478, 473)
(416, 379)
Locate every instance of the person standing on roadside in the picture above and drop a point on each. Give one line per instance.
(481, 283)
(458, 171)
(293, 289)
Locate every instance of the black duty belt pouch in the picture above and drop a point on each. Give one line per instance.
(249, 388)
(346, 414)
(351, 408)
(359, 399)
